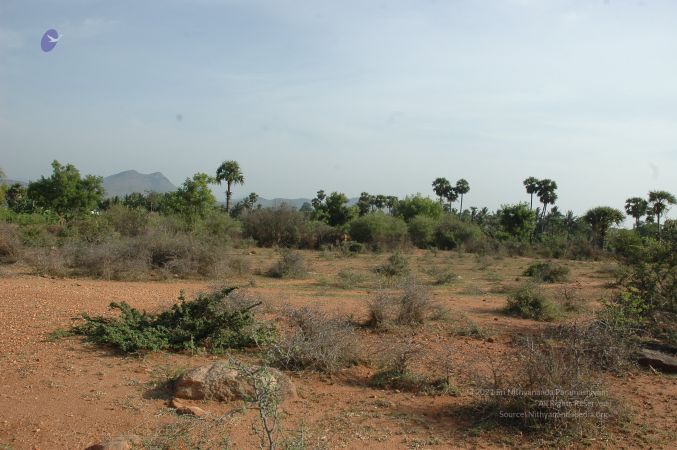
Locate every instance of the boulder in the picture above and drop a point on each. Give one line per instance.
(125, 442)
(658, 360)
(228, 381)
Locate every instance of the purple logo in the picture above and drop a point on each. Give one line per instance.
(49, 40)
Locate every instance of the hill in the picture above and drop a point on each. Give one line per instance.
(129, 181)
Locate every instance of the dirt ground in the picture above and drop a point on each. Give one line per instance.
(66, 394)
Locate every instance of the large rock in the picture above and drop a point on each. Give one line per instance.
(228, 381)
(658, 360)
(126, 442)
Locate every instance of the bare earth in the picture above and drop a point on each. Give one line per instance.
(67, 394)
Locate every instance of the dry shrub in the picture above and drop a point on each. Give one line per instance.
(290, 265)
(317, 341)
(553, 390)
(530, 302)
(10, 244)
(411, 306)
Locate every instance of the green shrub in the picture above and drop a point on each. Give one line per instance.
(215, 322)
(422, 231)
(396, 265)
(348, 279)
(290, 265)
(451, 233)
(379, 231)
(127, 221)
(547, 271)
(529, 302)
(283, 227)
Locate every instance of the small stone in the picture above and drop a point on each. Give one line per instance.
(191, 411)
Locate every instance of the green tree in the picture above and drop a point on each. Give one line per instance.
(229, 171)
(517, 220)
(462, 188)
(531, 185)
(442, 187)
(194, 199)
(600, 219)
(659, 201)
(391, 203)
(246, 204)
(417, 205)
(636, 207)
(3, 187)
(332, 209)
(66, 192)
(546, 194)
(364, 204)
(17, 199)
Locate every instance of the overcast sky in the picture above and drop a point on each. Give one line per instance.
(377, 96)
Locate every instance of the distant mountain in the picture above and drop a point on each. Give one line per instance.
(129, 181)
(11, 182)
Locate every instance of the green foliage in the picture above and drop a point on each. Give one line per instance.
(529, 302)
(193, 200)
(396, 265)
(422, 231)
(600, 219)
(214, 322)
(332, 209)
(417, 205)
(547, 271)
(66, 192)
(379, 231)
(451, 233)
(517, 221)
(230, 172)
(127, 221)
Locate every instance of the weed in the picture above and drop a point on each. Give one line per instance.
(529, 302)
(548, 272)
(290, 265)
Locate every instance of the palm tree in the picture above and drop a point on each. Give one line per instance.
(229, 171)
(531, 184)
(546, 193)
(659, 204)
(441, 187)
(636, 207)
(462, 187)
(600, 219)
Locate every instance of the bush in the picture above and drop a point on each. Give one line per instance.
(552, 391)
(547, 271)
(348, 279)
(10, 244)
(529, 302)
(422, 231)
(441, 275)
(411, 307)
(396, 265)
(127, 221)
(451, 233)
(283, 227)
(316, 342)
(379, 231)
(290, 265)
(214, 322)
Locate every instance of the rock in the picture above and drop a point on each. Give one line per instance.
(191, 411)
(124, 442)
(658, 360)
(225, 381)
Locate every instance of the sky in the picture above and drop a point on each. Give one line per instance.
(349, 95)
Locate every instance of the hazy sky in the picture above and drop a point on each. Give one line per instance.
(377, 96)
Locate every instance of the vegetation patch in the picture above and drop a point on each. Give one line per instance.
(530, 302)
(547, 272)
(396, 265)
(290, 265)
(215, 322)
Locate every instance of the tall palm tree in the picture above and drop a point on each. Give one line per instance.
(636, 207)
(546, 193)
(229, 171)
(462, 188)
(441, 187)
(531, 185)
(659, 204)
(600, 219)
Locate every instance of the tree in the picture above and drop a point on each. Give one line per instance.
(391, 203)
(194, 199)
(332, 209)
(441, 187)
(65, 191)
(659, 201)
(545, 190)
(636, 207)
(417, 205)
(3, 187)
(462, 188)
(531, 185)
(246, 204)
(600, 219)
(364, 204)
(518, 221)
(229, 171)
